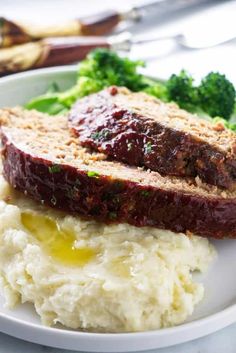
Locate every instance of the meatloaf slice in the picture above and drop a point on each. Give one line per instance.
(143, 131)
(43, 160)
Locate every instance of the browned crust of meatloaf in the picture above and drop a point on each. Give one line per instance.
(61, 174)
(143, 131)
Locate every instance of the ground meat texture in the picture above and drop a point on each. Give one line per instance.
(50, 166)
(142, 131)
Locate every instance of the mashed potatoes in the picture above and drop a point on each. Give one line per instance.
(103, 278)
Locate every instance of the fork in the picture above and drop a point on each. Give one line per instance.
(125, 41)
(67, 50)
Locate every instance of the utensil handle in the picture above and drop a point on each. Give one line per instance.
(100, 24)
(62, 51)
(13, 33)
(48, 52)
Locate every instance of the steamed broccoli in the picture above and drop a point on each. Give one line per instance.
(108, 68)
(217, 95)
(156, 88)
(83, 87)
(102, 68)
(180, 89)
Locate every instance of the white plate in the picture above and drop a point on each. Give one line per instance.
(216, 311)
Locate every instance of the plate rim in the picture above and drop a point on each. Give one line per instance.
(116, 342)
(107, 342)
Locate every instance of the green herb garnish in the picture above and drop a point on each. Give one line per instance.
(145, 193)
(112, 215)
(54, 169)
(92, 174)
(148, 147)
(95, 135)
(100, 134)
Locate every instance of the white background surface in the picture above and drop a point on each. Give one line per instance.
(163, 59)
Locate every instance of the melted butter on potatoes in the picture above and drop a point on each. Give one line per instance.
(87, 275)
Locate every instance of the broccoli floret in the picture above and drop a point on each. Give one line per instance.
(101, 68)
(83, 87)
(109, 68)
(217, 95)
(155, 88)
(180, 89)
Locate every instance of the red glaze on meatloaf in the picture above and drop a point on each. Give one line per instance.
(41, 159)
(139, 130)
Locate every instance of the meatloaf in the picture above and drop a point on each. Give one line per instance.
(42, 159)
(143, 131)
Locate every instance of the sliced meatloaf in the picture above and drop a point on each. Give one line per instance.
(143, 131)
(43, 160)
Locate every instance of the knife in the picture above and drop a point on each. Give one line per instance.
(13, 32)
(48, 52)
